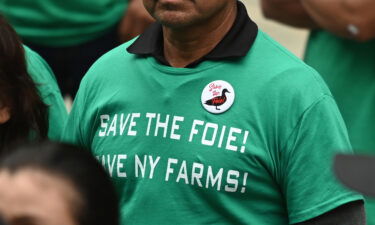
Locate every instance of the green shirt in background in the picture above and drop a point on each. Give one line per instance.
(49, 92)
(265, 161)
(59, 23)
(348, 67)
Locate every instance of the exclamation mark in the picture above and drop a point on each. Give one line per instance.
(221, 136)
(243, 189)
(244, 141)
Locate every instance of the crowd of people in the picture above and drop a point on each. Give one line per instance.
(201, 119)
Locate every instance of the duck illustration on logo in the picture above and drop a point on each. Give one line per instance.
(219, 100)
(217, 97)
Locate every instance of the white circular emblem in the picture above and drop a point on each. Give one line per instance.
(218, 96)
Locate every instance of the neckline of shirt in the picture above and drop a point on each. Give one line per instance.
(235, 44)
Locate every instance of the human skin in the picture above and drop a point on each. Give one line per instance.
(135, 20)
(334, 15)
(191, 28)
(4, 115)
(289, 12)
(33, 197)
(337, 15)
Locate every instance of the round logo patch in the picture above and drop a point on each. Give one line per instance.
(218, 96)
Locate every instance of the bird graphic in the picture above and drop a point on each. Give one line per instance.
(219, 100)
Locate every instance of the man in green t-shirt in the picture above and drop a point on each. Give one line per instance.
(343, 52)
(71, 34)
(204, 119)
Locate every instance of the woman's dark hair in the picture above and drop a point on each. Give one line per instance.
(98, 197)
(28, 113)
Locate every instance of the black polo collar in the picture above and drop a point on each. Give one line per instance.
(236, 43)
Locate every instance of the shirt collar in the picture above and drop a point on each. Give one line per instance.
(236, 43)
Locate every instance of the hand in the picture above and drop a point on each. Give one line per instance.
(135, 21)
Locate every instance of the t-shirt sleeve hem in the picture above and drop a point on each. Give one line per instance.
(323, 208)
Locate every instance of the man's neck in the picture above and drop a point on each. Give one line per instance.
(184, 46)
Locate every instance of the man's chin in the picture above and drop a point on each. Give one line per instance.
(178, 20)
(175, 21)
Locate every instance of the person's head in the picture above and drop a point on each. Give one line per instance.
(22, 111)
(185, 13)
(55, 184)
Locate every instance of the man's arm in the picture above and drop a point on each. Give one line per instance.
(348, 18)
(289, 12)
(352, 213)
(136, 19)
(353, 19)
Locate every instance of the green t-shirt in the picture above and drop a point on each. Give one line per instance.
(265, 161)
(49, 92)
(348, 67)
(58, 23)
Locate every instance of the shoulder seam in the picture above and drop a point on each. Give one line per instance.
(312, 105)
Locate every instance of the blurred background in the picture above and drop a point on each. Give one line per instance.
(291, 38)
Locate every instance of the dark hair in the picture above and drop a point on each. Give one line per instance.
(28, 113)
(99, 200)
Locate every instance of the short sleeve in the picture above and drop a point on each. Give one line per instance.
(308, 182)
(49, 91)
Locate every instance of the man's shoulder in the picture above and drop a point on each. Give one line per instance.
(109, 69)
(114, 59)
(270, 52)
(117, 55)
(281, 71)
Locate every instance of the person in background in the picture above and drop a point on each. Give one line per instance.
(341, 48)
(71, 34)
(55, 184)
(31, 106)
(204, 119)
